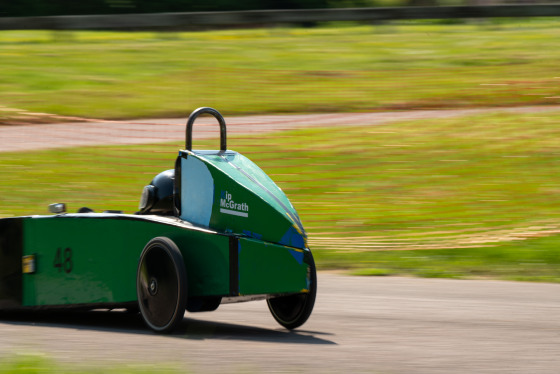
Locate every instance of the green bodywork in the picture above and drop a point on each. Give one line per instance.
(229, 193)
(283, 269)
(237, 232)
(105, 249)
(105, 254)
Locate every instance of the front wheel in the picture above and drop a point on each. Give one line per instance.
(161, 285)
(292, 311)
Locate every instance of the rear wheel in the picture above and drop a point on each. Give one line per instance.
(161, 285)
(292, 311)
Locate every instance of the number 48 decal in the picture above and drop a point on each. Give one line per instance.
(63, 260)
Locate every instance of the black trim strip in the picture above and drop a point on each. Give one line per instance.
(233, 266)
(177, 186)
(11, 251)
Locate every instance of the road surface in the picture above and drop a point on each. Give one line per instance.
(359, 325)
(93, 132)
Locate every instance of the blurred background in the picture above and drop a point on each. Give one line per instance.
(408, 146)
(68, 7)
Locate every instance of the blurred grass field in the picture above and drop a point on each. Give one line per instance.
(28, 363)
(415, 64)
(426, 189)
(465, 197)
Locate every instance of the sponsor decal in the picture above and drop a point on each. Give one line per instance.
(229, 206)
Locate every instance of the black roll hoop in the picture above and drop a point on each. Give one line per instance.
(194, 115)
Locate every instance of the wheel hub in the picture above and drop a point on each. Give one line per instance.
(153, 287)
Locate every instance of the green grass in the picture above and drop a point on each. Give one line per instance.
(41, 364)
(527, 260)
(408, 65)
(447, 188)
(445, 198)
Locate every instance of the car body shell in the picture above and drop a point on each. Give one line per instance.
(233, 236)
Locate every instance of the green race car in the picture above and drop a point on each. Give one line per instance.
(214, 229)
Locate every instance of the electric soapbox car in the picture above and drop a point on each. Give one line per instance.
(215, 229)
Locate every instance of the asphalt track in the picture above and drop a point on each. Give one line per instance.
(359, 325)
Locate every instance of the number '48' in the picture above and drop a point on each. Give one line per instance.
(63, 260)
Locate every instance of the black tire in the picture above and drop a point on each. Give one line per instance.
(293, 311)
(161, 285)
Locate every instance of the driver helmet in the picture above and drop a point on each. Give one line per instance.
(157, 197)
